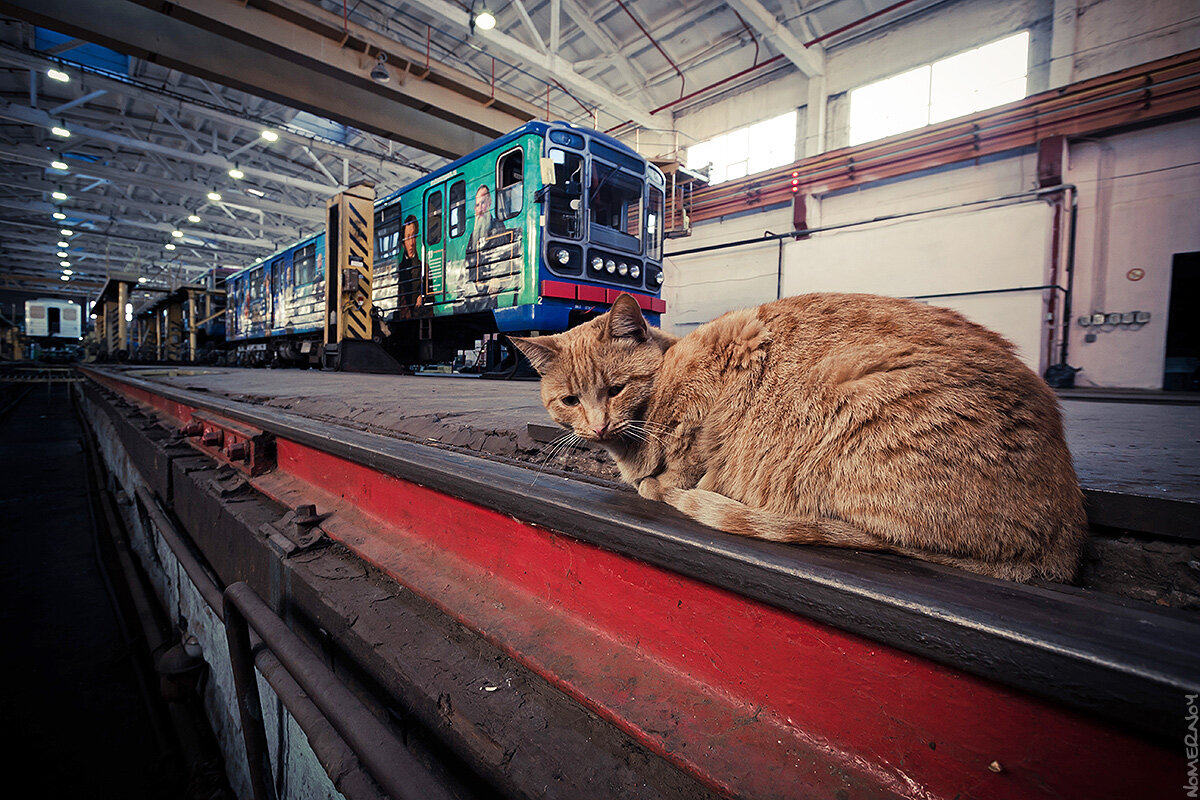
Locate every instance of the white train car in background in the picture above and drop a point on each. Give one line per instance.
(54, 319)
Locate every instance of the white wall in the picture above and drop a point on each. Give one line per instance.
(1139, 205)
(952, 251)
(967, 251)
(1136, 204)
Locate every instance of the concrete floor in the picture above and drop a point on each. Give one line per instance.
(1139, 448)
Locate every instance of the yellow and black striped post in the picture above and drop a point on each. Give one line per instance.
(349, 252)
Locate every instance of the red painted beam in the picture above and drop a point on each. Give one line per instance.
(754, 700)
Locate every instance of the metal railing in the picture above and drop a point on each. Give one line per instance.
(357, 750)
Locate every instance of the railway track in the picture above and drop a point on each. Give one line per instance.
(698, 663)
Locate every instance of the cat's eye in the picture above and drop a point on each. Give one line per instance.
(613, 391)
(570, 400)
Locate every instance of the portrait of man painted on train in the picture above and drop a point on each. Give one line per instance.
(486, 230)
(411, 278)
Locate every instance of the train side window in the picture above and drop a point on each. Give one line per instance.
(304, 262)
(510, 183)
(565, 215)
(387, 232)
(433, 218)
(458, 208)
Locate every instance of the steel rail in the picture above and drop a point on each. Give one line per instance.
(1126, 662)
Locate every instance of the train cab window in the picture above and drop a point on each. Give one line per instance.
(458, 208)
(433, 218)
(615, 199)
(566, 195)
(510, 183)
(304, 262)
(654, 224)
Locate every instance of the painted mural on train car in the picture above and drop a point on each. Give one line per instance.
(464, 243)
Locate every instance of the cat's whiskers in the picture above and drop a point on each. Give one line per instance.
(654, 430)
(560, 446)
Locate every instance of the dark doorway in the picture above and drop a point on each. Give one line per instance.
(53, 321)
(1181, 371)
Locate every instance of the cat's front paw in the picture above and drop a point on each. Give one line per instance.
(650, 489)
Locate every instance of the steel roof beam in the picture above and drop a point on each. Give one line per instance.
(138, 92)
(550, 65)
(33, 116)
(162, 227)
(249, 49)
(38, 157)
(811, 61)
(607, 44)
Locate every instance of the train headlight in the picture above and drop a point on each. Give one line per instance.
(658, 279)
(597, 263)
(611, 266)
(635, 271)
(562, 256)
(622, 269)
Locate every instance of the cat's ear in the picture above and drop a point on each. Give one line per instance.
(540, 350)
(625, 320)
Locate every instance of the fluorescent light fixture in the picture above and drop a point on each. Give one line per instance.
(193, 218)
(64, 277)
(59, 195)
(59, 215)
(66, 232)
(57, 75)
(58, 165)
(64, 263)
(177, 234)
(58, 131)
(169, 246)
(61, 254)
(62, 244)
(256, 192)
(68, 272)
(143, 280)
(214, 196)
(270, 136)
(236, 174)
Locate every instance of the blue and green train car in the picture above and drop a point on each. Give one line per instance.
(538, 231)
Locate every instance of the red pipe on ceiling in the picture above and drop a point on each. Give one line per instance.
(856, 23)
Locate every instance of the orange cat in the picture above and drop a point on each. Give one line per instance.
(837, 419)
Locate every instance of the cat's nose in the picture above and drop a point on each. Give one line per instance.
(600, 429)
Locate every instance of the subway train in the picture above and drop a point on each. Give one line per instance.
(538, 231)
(53, 321)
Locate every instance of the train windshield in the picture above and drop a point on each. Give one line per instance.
(615, 201)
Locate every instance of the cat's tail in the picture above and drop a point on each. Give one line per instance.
(729, 515)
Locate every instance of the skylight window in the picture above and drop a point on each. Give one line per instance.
(962, 84)
(745, 151)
